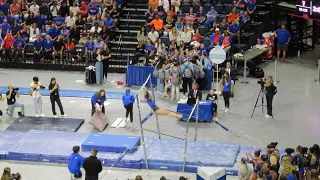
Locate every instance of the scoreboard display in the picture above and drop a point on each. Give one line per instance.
(309, 8)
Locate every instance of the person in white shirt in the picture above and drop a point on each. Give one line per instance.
(36, 95)
(176, 4)
(34, 8)
(165, 4)
(95, 28)
(185, 36)
(34, 31)
(153, 35)
(54, 10)
(74, 9)
(70, 20)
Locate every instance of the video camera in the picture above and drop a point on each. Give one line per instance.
(262, 82)
(15, 176)
(15, 89)
(41, 86)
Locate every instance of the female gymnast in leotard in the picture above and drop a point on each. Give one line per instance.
(156, 109)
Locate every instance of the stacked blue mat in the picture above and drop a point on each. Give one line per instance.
(66, 93)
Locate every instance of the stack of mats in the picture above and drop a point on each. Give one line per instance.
(168, 155)
(7, 140)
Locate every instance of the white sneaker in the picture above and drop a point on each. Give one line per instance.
(223, 109)
(42, 115)
(215, 119)
(65, 115)
(55, 116)
(226, 110)
(268, 116)
(37, 115)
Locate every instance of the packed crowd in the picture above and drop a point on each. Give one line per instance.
(299, 164)
(55, 28)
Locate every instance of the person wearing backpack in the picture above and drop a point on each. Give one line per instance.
(271, 90)
(175, 81)
(163, 75)
(187, 73)
(199, 73)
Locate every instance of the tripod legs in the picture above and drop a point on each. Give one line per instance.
(262, 98)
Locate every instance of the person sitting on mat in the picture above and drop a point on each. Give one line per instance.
(128, 100)
(213, 97)
(156, 109)
(76, 162)
(97, 101)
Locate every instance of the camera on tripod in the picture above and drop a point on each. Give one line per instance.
(15, 89)
(15, 176)
(262, 82)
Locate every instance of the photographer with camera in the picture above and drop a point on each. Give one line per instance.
(11, 94)
(8, 176)
(270, 91)
(36, 95)
(55, 97)
(226, 81)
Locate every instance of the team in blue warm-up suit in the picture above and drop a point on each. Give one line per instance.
(128, 100)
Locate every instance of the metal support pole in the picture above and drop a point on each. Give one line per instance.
(276, 71)
(245, 73)
(217, 85)
(154, 98)
(212, 86)
(186, 138)
(318, 78)
(142, 135)
(197, 119)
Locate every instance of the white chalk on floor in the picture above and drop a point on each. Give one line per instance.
(80, 81)
(119, 123)
(106, 103)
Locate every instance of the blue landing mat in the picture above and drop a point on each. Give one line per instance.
(51, 145)
(7, 140)
(198, 153)
(28, 123)
(66, 93)
(111, 143)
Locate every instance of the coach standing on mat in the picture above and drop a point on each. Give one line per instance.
(128, 100)
(55, 97)
(97, 101)
(92, 166)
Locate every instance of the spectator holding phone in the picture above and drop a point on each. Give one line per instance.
(36, 95)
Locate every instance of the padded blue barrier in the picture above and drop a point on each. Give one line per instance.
(66, 93)
(111, 143)
(50, 145)
(7, 140)
(198, 153)
(139, 154)
(170, 167)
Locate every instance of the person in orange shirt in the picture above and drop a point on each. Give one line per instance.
(172, 12)
(233, 16)
(70, 48)
(7, 45)
(154, 4)
(157, 23)
(226, 41)
(15, 9)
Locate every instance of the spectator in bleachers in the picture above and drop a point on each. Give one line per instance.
(5, 7)
(196, 39)
(34, 31)
(233, 16)
(179, 24)
(24, 8)
(84, 30)
(240, 5)
(149, 14)
(109, 3)
(64, 32)
(15, 28)
(93, 10)
(251, 6)
(153, 4)
(186, 37)
(203, 49)
(2, 17)
(139, 51)
(7, 46)
(39, 20)
(43, 31)
(30, 19)
(80, 21)
(157, 23)
(103, 10)
(161, 13)
(109, 23)
(104, 33)
(172, 12)
(59, 20)
(90, 48)
(70, 20)
(99, 44)
(64, 9)
(150, 50)
(54, 31)
(19, 46)
(58, 49)
(83, 10)
(98, 20)
(54, 9)
(234, 30)
(70, 49)
(142, 35)
(159, 47)
(15, 9)
(37, 46)
(44, 11)
(153, 35)
(201, 16)
(165, 4)
(10, 19)
(226, 41)
(168, 25)
(74, 9)
(174, 35)
(180, 14)
(212, 16)
(34, 8)
(190, 17)
(212, 30)
(5, 27)
(95, 30)
(176, 4)
(48, 47)
(244, 21)
(215, 38)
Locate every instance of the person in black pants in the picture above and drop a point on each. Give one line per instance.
(92, 165)
(106, 55)
(213, 97)
(226, 81)
(187, 72)
(54, 97)
(271, 90)
(128, 101)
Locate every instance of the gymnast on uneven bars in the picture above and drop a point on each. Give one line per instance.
(156, 109)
